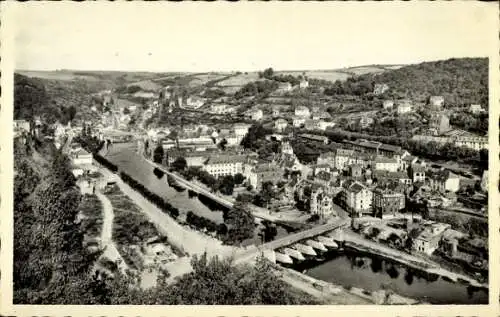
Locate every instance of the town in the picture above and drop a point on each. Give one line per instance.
(286, 165)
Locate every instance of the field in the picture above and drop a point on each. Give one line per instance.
(239, 80)
(56, 75)
(330, 75)
(146, 85)
(122, 103)
(201, 79)
(106, 76)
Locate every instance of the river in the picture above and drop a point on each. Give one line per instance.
(349, 269)
(124, 155)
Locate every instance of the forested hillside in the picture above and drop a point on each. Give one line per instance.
(52, 100)
(461, 81)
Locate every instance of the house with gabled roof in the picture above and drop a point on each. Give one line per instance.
(357, 198)
(444, 180)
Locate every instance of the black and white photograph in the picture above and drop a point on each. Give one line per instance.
(251, 153)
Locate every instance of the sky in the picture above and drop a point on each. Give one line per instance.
(224, 36)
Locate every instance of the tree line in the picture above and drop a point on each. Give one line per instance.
(200, 222)
(461, 81)
(258, 88)
(155, 199)
(51, 264)
(104, 162)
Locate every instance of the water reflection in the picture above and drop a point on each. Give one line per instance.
(376, 265)
(408, 277)
(350, 268)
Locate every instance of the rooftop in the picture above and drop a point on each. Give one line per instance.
(226, 159)
(356, 187)
(382, 159)
(314, 137)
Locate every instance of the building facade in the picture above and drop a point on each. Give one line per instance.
(386, 202)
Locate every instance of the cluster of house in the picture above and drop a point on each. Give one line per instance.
(304, 118)
(427, 238)
(370, 179)
(196, 138)
(364, 177)
(21, 127)
(287, 87)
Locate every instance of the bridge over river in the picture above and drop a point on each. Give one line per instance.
(297, 246)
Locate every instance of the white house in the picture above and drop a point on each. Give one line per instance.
(285, 87)
(298, 121)
(444, 180)
(257, 115)
(22, 125)
(321, 203)
(302, 111)
(475, 143)
(223, 165)
(358, 198)
(404, 106)
(475, 109)
(241, 129)
(386, 164)
(436, 101)
(280, 125)
(82, 157)
(219, 108)
(323, 125)
(388, 104)
(303, 84)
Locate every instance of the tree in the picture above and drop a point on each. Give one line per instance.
(126, 110)
(226, 185)
(70, 113)
(158, 154)
(267, 192)
(239, 178)
(240, 223)
(268, 72)
(222, 144)
(179, 164)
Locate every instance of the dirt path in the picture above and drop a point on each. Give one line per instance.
(191, 241)
(110, 250)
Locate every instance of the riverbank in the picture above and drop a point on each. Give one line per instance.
(362, 245)
(331, 293)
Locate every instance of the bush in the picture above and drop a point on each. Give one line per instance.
(104, 162)
(201, 222)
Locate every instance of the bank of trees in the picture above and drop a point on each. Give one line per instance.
(88, 142)
(158, 154)
(270, 75)
(51, 265)
(470, 122)
(240, 224)
(155, 199)
(461, 81)
(258, 88)
(214, 281)
(104, 162)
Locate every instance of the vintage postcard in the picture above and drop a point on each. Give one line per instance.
(252, 159)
